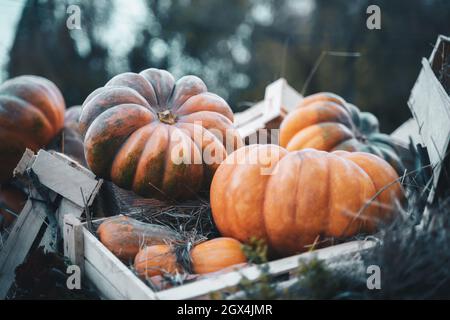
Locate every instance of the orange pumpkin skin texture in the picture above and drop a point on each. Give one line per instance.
(310, 194)
(322, 97)
(14, 199)
(31, 114)
(216, 254)
(125, 236)
(136, 123)
(155, 260)
(324, 121)
(209, 256)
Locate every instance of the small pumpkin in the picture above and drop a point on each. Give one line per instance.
(12, 201)
(206, 257)
(156, 260)
(31, 115)
(293, 199)
(125, 236)
(156, 136)
(324, 121)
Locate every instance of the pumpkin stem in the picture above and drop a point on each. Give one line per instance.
(167, 117)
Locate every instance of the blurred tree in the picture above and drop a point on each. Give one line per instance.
(236, 46)
(45, 46)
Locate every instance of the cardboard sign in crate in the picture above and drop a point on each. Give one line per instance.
(115, 280)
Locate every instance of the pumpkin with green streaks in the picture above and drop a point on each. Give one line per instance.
(150, 133)
(325, 121)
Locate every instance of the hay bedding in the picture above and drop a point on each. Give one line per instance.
(192, 220)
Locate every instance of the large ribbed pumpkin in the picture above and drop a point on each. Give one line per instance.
(292, 199)
(157, 136)
(206, 257)
(324, 121)
(31, 114)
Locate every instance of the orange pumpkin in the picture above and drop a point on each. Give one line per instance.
(289, 199)
(125, 236)
(152, 134)
(324, 121)
(206, 257)
(31, 114)
(11, 199)
(156, 260)
(216, 254)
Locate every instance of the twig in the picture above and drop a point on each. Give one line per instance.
(319, 61)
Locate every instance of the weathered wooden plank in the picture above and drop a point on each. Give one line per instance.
(68, 207)
(435, 53)
(20, 241)
(219, 283)
(64, 179)
(74, 241)
(430, 106)
(25, 162)
(101, 265)
(279, 99)
(409, 129)
(73, 164)
(103, 285)
(247, 116)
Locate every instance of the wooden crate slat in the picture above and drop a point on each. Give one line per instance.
(68, 207)
(204, 287)
(430, 106)
(279, 99)
(103, 285)
(113, 270)
(73, 241)
(409, 129)
(19, 242)
(64, 179)
(25, 162)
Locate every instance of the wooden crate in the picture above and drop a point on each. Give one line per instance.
(429, 103)
(256, 123)
(115, 280)
(55, 181)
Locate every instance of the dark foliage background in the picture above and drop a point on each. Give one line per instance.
(236, 46)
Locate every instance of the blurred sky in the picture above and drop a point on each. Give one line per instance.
(129, 17)
(10, 12)
(237, 47)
